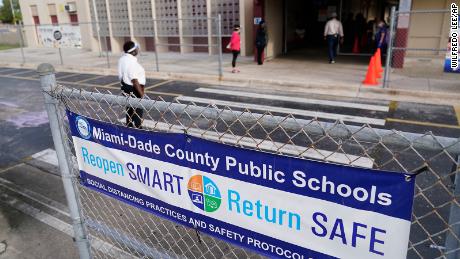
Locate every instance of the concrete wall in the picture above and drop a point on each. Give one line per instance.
(274, 21)
(9, 37)
(29, 30)
(84, 16)
(247, 34)
(123, 10)
(62, 15)
(429, 30)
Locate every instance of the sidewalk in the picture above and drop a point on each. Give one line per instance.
(289, 73)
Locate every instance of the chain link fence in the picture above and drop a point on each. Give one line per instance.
(189, 45)
(116, 230)
(417, 49)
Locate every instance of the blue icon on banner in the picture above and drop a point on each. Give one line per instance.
(83, 127)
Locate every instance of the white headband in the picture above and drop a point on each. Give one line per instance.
(133, 48)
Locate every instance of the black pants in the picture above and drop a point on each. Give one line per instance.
(235, 56)
(260, 51)
(133, 115)
(383, 49)
(332, 43)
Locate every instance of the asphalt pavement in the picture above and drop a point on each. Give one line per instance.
(34, 220)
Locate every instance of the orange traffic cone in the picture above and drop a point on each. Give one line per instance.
(356, 45)
(378, 63)
(371, 76)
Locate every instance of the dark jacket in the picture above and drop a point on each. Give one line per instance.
(261, 37)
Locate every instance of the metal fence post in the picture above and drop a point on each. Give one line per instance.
(155, 44)
(157, 64)
(98, 28)
(60, 56)
(107, 49)
(219, 44)
(21, 42)
(386, 76)
(48, 84)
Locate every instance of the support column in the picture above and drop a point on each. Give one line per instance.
(115, 44)
(88, 40)
(29, 31)
(132, 24)
(243, 28)
(211, 25)
(247, 14)
(273, 12)
(157, 38)
(130, 18)
(402, 33)
(185, 41)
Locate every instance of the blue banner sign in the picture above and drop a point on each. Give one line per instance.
(276, 205)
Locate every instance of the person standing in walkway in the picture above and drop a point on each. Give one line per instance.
(132, 79)
(381, 37)
(333, 33)
(235, 47)
(261, 41)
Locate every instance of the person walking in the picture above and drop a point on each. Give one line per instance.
(261, 41)
(333, 32)
(132, 79)
(235, 47)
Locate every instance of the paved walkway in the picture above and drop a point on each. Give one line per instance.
(304, 71)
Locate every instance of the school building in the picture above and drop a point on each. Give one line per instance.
(292, 25)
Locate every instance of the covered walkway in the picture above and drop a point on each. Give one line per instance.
(310, 65)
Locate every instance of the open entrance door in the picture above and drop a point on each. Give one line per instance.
(304, 21)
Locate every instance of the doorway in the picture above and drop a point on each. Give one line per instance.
(303, 24)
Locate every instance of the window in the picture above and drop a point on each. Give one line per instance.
(54, 19)
(34, 11)
(53, 13)
(36, 20)
(73, 19)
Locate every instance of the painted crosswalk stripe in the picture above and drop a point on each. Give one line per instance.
(61, 226)
(307, 113)
(105, 247)
(267, 145)
(48, 156)
(23, 72)
(158, 84)
(457, 113)
(36, 197)
(361, 106)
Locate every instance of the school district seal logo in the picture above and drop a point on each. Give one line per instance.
(83, 127)
(204, 193)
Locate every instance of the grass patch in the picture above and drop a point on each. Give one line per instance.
(8, 46)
